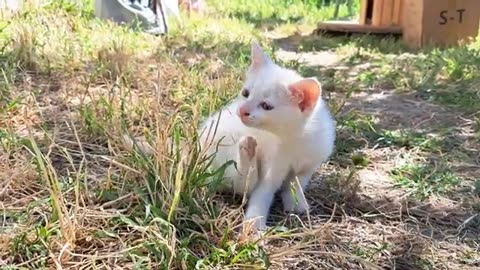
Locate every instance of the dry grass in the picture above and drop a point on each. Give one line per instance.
(73, 196)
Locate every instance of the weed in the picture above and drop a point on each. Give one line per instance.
(477, 187)
(410, 139)
(424, 180)
(360, 160)
(32, 247)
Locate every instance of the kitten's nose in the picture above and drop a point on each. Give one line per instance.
(243, 112)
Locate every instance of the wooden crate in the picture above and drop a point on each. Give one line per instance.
(421, 22)
(439, 22)
(376, 16)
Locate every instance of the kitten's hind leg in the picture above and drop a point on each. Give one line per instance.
(247, 164)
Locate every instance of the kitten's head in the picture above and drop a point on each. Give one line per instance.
(274, 98)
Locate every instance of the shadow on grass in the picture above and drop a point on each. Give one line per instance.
(384, 228)
(268, 22)
(323, 41)
(432, 226)
(449, 77)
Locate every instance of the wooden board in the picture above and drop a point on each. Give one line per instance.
(387, 12)
(363, 12)
(355, 27)
(377, 12)
(412, 16)
(397, 8)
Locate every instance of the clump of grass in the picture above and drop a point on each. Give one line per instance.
(277, 12)
(360, 159)
(26, 48)
(177, 190)
(425, 180)
(358, 122)
(115, 62)
(477, 187)
(410, 139)
(355, 131)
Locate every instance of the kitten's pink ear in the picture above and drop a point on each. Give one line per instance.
(305, 93)
(259, 57)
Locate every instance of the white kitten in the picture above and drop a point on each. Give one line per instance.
(280, 127)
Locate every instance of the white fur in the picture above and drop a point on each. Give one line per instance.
(289, 142)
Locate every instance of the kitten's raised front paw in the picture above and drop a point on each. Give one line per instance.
(248, 145)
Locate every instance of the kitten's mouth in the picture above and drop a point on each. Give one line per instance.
(245, 120)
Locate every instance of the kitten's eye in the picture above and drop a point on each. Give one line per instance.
(245, 93)
(266, 106)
